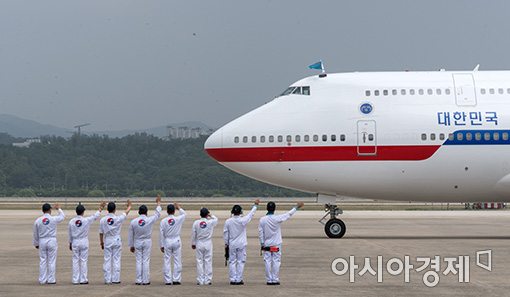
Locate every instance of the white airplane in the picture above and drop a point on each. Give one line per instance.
(412, 136)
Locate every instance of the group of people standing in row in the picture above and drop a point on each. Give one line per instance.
(140, 242)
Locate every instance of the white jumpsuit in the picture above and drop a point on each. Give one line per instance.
(201, 235)
(139, 237)
(79, 239)
(110, 226)
(45, 236)
(234, 234)
(170, 239)
(270, 234)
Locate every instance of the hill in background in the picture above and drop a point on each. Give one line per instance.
(19, 127)
(23, 128)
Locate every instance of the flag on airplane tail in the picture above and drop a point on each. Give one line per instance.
(317, 65)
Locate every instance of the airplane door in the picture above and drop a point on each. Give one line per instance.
(367, 138)
(465, 94)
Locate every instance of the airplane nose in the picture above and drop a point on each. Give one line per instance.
(215, 140)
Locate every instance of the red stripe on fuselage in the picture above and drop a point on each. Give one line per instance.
(321, 153)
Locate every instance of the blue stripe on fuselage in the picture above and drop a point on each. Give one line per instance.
(479, 137)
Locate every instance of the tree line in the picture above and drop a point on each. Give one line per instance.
(134, 165)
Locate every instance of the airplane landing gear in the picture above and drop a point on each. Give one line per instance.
(334, 227)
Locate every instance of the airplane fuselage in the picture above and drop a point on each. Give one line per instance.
(414, 136)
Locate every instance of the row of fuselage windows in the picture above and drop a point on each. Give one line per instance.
(468, 136)
(394, 92)
(477, 136)
(291, 138)
(404, 92)
(493, 91)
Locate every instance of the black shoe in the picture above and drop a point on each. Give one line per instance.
(138, 284)
(233, 283)
(276, 284)
(209, 284)
(168, 284)
(269, 284)
(52, 283)
(241, 283)
(146, 284)
(176, 283)
(116, 283)
(85, 283)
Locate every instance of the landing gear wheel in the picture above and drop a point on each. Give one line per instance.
(335, 228)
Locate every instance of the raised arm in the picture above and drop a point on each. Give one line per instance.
(97, 214)
(246, 219)
(61, 216)
(128, 207)
(123, 216)
(157, 212)
(181, 210)
(214, 220)
(283, 217)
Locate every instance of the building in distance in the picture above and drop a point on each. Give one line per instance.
(27, 142)
(184, 132)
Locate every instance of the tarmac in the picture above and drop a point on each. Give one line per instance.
(307, 257)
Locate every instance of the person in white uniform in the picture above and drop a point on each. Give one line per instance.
(201, 242)
(170, 243)
(234, 235)
(140, 243)
(45, 239)
(79, 242)
(109, 238)
(270, 236)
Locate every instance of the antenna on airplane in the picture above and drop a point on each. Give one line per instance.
(79, 127)
(319, 66)
(476, 68)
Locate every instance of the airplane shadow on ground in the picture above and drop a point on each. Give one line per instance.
(410, 237)
(430, 237)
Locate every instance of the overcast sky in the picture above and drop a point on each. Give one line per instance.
(137, 64)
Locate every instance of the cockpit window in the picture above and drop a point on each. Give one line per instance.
(287, 91)
(306, 91)
(296, 90)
